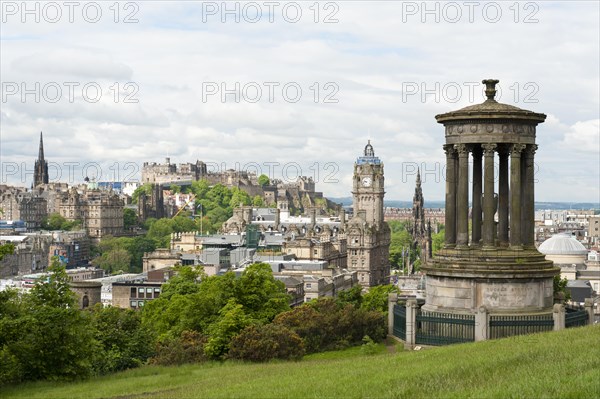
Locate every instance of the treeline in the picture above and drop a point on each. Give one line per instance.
(197, 318)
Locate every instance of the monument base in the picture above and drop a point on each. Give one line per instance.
(502, 280)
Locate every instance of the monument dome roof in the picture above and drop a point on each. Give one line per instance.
(562, 244)
(491, 109)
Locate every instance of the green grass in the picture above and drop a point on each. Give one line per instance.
(565, 364)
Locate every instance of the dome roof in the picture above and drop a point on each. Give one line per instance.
(491, 109)
(562, 244)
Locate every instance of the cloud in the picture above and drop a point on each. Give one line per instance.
(371, 54)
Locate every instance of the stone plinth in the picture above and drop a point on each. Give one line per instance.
(504, 281)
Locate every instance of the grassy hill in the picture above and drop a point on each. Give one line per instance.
(547, 365)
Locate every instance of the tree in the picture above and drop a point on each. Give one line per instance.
(263, 180)
(437, 241)
(258, 201)
(55, 221)
(143, 189)
(54, 340)
(130, 219)
(114, 261)
(125, 342)
(6, 249)
(377, 298)
(232, 321)
(262, 296)
(175, 189)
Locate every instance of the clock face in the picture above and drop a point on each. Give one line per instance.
(366, 182)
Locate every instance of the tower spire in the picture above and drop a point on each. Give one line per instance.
(40, 172)
(41, 151)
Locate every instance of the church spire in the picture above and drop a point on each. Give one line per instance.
(40, 170)
(41, 151)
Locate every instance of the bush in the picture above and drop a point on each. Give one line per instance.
(187, 348)
(324, 324)
(265, 342)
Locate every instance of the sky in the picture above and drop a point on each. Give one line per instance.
(292, 88)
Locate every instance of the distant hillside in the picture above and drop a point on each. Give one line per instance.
(561, 364)
(346, 201)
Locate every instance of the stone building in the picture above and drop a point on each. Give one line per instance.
(88, 293)
(18, 203)
(134, 294)
(101, 212)
(368, 235)
(153, 205)
(497, 266)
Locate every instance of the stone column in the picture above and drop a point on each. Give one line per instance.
(515, 196)
(462, 197)
(450, 218)
(488, 195)
(476, 218)
(527, 197)
(411, 323)
(503, 198)
(481, 324)
(392, 301)
(558, 315)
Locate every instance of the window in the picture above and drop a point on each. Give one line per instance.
(133, 292)
(141, 304)
(133, 304)
(156, 292)
(308, 285)
(148, 292)
(141, 292)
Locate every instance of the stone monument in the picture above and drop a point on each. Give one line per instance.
(495, 264)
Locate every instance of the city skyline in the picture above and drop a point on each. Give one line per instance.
(388, 86)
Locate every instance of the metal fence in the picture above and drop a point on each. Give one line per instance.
(576, 317)
(444, 328)
(400, 322)
(507, 326)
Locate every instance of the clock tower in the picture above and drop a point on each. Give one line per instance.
(368, 234)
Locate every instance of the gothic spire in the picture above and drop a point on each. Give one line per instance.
(40, 170)
(41, 151)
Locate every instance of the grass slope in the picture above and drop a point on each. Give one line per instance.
(565, 364)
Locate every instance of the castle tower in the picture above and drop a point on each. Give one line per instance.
(497, 266)
(368, 234)
(40, 172)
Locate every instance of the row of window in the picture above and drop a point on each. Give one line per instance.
(145, 292)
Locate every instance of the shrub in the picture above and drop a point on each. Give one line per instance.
(186, 348)
(265, 342)
(324, 324)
